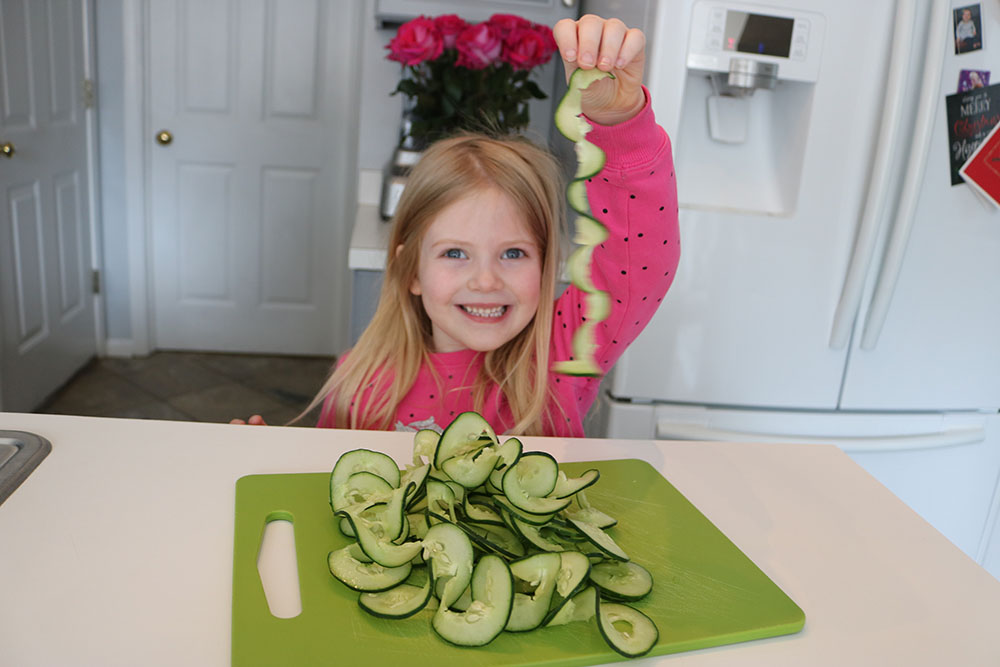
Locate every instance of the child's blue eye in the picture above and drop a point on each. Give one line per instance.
(513, 253)
(454, 253)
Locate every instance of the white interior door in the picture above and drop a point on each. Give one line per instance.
(46, 297)
(248, 199)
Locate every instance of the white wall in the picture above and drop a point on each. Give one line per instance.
(112, 226)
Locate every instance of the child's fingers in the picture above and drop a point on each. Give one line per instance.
(589, 31)
(564, 33)
(632, 47)
(255, 420)
(612, 38)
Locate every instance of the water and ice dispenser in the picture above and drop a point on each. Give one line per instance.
(747, 106)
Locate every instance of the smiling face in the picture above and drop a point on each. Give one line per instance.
(479, 274)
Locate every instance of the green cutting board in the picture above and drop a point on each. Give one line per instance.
(706, 592)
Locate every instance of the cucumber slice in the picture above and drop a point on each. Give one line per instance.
(418, 525)
(360, 460)
(386, 519)
(534, 584)
(357, 553)
(572, 578)
(477, 512)
(509, 452)
(567, 116)
(471, 470)
(463, 601)
(624, 581)
(600, 539)
(626, 630)
(533, 534)
(425, 442)
(566, 487)
(576, 196)
(593, 516)
(589, 232)
(580, 607)
(361, 576)
(448, 550)
(380, 547)
(466, 434)
(537, 511)
(415, 476)
(503, 541)
(458, 490)
(527, 482)
(574, 567)
(536, 473)
(361, 488)
(440, 498)
(401, 601)
(492, 594)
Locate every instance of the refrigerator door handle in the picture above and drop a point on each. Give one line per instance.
(939, 30)
(951, 437)
(878, 188)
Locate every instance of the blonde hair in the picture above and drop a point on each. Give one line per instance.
(389, 354)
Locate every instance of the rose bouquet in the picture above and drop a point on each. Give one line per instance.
(460, 75)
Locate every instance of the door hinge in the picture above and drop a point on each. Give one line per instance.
(96, 281)
(89, 94)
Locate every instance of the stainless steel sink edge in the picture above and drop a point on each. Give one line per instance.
(31, 449)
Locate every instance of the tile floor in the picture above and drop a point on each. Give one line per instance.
(188, 386)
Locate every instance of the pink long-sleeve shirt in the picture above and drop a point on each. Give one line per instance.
(635, 196)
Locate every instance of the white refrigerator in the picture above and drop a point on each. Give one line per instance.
(834, 285)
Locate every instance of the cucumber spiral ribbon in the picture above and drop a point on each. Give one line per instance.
(589, 232)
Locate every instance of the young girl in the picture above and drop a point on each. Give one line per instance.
(467, 318)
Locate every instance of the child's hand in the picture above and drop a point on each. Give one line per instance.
(610, 46)
(255, 420)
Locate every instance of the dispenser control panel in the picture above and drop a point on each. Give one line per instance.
(790, 38)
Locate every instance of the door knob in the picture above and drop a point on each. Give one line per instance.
(163, 137)
(7, 149)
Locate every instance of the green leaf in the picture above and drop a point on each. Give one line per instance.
(408, 87)
(532, 89)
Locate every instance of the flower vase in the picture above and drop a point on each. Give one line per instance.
(404, 157)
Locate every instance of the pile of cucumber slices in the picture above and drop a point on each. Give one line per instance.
(488, 536)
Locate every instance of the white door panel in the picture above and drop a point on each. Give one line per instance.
(46, 303)
(938, 347)
(247, 200)
(748, 318)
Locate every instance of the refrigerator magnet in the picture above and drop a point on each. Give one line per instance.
(971, 116)
(968, 28)
(969, 79)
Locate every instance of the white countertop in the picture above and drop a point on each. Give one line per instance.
(118, 549)
(369, 239)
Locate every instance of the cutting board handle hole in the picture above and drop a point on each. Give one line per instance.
(278, 567)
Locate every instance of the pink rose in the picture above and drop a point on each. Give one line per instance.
(504, 23)
(478, 46)
(525, 48)
(416, 41)
(450, 25)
